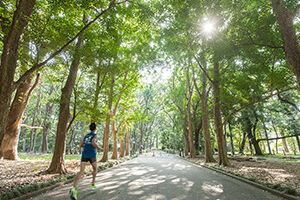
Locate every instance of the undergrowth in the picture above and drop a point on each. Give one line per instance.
(34, 187)
(285, 189)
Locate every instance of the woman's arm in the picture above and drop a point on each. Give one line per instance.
(94, 143)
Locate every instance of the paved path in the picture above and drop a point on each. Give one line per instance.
(161, 177)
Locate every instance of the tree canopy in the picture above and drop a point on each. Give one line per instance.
(169, 74)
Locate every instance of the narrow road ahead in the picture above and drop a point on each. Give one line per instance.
(163, 176)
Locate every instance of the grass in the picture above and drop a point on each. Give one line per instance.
(26, 156)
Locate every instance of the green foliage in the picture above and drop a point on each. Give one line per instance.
(132, 38)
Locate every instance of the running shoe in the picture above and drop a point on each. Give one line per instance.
(73, 194)
(94, 186)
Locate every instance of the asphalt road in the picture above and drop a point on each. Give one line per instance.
(163, 176)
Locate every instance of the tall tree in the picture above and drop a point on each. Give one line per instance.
(113, 114)
(183, 116)
(127, 142)
(285, 15)
(188, 110)
(205, 120)
(222, 151)
(58, 159)
(12, 39)
(107, 123)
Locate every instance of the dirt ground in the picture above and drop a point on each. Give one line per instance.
(15, 174)
(267, 171)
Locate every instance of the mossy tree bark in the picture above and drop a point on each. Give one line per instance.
(12, 129)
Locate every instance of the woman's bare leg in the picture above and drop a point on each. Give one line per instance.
(82, 168)
(94, 165)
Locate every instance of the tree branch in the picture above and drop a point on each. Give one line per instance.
(286, 101)
(176, 102)
(263, 45)
(32, 88)
(277, 138)
(204, 71)
(197, 89)
(267, 97)
(297, 9)
(37, 66)
(31, 127)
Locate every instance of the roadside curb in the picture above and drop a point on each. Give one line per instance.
(44, 190)
(60, 184)
(273, 191)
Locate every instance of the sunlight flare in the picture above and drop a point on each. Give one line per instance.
(208, 27)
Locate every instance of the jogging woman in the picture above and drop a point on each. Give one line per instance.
(88, 155)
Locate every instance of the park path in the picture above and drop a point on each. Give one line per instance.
(163, 176)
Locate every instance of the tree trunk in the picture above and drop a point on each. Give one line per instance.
(186, 143)
(24, 143)
(107, 123)
(115, 142)
(12, 130)
(276, 143)
(231, 138)
(207, 138)
(285, 146)
(72, 139)
(47, 125)
(58, 160)
(133, 150)
(254, 141)
(141, 138)
(197, 133)
(32, 134)
(252, 137)
(127, 143)
(222, 152)
(184, 125)
(31, 146)
(242, 146)
(115, 132)
(298, 143)
(205, 120)
(250, 145)
(191, 140)
(115, 137)
(97, 92)
(267, 137)
(34, 139)
(9, 58)
(122, 137)
(291, 46)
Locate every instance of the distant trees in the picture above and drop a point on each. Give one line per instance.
(39, 37)
(244, 62)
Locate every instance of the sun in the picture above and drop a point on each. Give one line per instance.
(208, 27)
